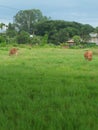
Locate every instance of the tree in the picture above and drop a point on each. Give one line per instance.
(60, 36)
(77, 39)
(35, 40)
(72, 31)
(2, 39)
(85, 31)
(60, 31)
(44, 40)
(23, 37)
(26, 19)
(96, 30)
(11, 31)
(2, 25)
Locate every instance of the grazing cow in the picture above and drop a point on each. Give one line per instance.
(88, 55)
(13, 51)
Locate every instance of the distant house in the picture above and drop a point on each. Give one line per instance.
(94, 38)
(71, 42)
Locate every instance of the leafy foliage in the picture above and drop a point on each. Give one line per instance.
(35, 40)
(11, 31)
(23, 37)
(60, 31)
(77, 39)
(44, 40)
(26, 19)
(2, 38)
(33, 22)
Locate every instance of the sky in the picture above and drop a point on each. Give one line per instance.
(82, 11)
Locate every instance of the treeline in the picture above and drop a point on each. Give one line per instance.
(30, 26)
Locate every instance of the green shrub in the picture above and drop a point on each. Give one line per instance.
(91, 44)
(44, 40)
(35, 40)
(3, 44)
(88, 44)
(23, 37)
(2, 39)
(75, 47)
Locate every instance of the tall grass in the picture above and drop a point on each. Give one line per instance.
(48, 89)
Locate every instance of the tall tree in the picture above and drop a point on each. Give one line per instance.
(26, 19)
(2, 25)
(85, 31)
(96, 30)
(77, 39)
(23, 37)
(11, 30)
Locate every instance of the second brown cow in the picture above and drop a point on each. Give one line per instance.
(88, 55)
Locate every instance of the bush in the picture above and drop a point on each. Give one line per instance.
(88, 44)
(77, 39)
(2, 39)
(23, 37)
(91, 44)
(65, 45)
(11, 40)
(3, 44)
(35, 40)
(44, 40)
(75, 47)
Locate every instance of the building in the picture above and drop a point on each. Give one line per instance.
(71, 42)
(94, 38)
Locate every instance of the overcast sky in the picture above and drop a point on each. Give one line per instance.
(82, 11)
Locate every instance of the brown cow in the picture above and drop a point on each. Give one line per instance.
(13, 51)
(88, 55)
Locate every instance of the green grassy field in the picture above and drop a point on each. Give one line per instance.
(48, 89)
